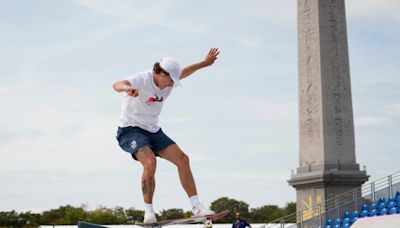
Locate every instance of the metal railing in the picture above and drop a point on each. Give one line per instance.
(335, 207)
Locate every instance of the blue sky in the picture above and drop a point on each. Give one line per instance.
(237, 120)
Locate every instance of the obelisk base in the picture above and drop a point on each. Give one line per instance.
(315, 187)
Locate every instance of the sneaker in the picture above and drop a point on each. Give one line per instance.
(149, 218)
(200, 210)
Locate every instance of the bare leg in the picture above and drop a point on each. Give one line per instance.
(146, 156)
(175, 155)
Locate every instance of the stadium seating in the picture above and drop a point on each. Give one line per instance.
(364, 207)
(338, 222)
(373, 212)
(373, 206)
(383, 211)
(381, 207)
(364, 213)
(353, 220)
(391, 204)
(392, 211)
(346, 225)
(328, 223)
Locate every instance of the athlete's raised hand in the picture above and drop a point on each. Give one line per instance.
(211, 56)
(208, 61)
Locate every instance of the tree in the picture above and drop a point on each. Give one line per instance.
(106, 216)
(265, 213)
(289, 209)
(187, 214)
(225, 203)
(173, 213)
(64, 215)
(69, 215)
(134, 215)
(9, 219)
(30, 219)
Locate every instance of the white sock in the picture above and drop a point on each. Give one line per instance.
(148, 209)
(194, 200)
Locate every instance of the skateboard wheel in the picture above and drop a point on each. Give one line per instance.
(208, 223)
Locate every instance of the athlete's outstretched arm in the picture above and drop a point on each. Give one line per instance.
(208, 61)
(125, 86)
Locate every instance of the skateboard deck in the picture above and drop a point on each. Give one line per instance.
(207, 220)
(82, 224)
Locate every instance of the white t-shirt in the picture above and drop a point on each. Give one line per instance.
(143, 111)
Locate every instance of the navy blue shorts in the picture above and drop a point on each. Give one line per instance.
(131, 139)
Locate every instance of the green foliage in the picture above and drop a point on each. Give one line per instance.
(187, 214)
(64, 215)
(265, 213)
(106, 216)
(225, 203)
(134, 215)
(14, 219)
(290, 208)
(173, 213)
(69, 215)
(269, 213)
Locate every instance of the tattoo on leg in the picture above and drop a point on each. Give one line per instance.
(144, 187)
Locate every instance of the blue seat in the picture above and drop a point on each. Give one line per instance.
(397, 196)
(353, 220)
(346, 225)
(328, 226)
(391, 204)
(381, 200)
(364, 207)
(383, 211)
(354, 214)
(363, 214)
(328, 222)
(346, 215)
(338, 222)
(373, 206)
(346, 220)
(373, 212)
(382, 205)
(391, 199)
(392, 211)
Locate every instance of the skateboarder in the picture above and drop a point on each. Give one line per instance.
(140, 135)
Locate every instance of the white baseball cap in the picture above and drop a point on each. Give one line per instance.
(173, 68)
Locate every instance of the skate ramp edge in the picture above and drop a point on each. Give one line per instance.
(387, 221)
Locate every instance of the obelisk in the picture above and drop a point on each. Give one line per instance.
(327, 149)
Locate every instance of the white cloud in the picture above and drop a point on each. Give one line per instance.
(388, 115)
(374, 10)
(392, 110)
(153, 13)
(370, 120)
(277, 13)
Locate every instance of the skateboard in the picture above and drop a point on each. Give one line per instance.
(206, 220)
(82, 224)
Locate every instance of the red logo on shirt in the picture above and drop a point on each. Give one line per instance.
(151, 100)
